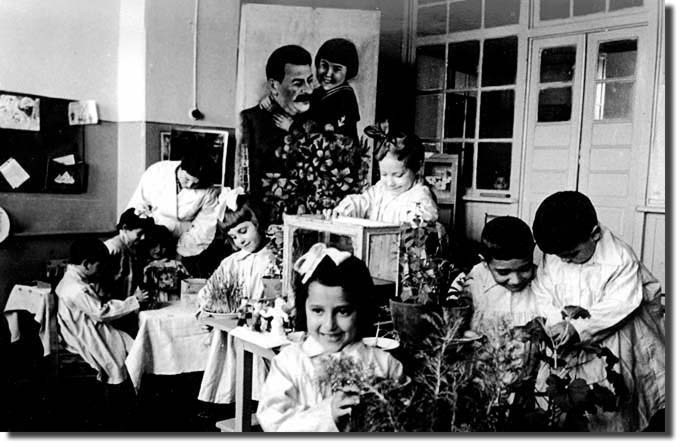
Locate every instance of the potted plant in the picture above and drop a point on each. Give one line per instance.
(425, 276)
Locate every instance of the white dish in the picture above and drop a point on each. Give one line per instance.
(4, 224)
(386, 344)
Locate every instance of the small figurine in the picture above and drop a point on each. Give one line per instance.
(279, 317)
(243, 312)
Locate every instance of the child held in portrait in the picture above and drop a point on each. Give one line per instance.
(126, 253)
(240, 274)
(400, 195)
(163, 273)
(500, 285)
(588, 268)
(334, 305)
(334, 102)
(85, 314)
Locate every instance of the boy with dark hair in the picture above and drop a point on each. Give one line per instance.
(84, 313)
(587, 267)
(500, 285)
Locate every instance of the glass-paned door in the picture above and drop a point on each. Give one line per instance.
(588, 127)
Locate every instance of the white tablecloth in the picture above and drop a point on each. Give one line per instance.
(170, 341)
(38, 301)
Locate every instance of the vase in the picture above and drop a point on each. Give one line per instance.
(409, 320)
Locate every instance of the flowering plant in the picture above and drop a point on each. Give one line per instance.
(317, 170)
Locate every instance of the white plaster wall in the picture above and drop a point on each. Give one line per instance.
(169, 61)
(62, 48)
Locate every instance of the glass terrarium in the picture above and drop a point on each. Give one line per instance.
(375, 243)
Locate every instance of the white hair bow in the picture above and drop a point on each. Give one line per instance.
(229, 197)
(306, 264)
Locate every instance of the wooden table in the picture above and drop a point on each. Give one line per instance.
(246, 344)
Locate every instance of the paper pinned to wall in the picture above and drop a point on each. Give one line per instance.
(67, 160)
(82, 112)
(19, 112)
(14, 173)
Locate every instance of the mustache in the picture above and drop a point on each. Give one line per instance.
(303, 98)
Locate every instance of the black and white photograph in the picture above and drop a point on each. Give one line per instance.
(315, 216)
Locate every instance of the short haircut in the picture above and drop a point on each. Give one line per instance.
(88, 249)
(160, 235)
(130, 220)
(563, 221)
(411, 152)
(288, 54)
(506, 238)
(339, 51)
(353, 277)
(245, 212)
(197, 166)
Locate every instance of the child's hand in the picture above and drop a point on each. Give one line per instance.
(266, 103)
(344, 208)
(563, 334)
(342, 403)
(283, 121)
(141, 295)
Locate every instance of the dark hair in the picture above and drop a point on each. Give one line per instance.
(353, 277)
(160, 235)
(506, 238)
(563, 221)
(406, 148)
(129, 220)
(287, 54)
(245, 212)
(339, 51)
(88, 249)
(197, 166)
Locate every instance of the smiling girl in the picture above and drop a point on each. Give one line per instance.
(400, 195)
(333, 301)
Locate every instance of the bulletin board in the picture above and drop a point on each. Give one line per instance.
(34, 130)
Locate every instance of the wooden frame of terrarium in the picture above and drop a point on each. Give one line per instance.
(375, 243)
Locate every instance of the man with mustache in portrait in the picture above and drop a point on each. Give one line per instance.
(263, 127)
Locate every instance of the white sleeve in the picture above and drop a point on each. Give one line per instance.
(203, 228)
(279, 409)
(360, 204)
(139, 199)
(90, 304)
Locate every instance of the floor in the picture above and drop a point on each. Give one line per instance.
(35, 399)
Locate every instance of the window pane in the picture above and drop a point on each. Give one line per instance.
(493, 166)
(500, 61)
(465, 15)
(501, 12)
(463, 64)
(616, 59)
(554, 9)
(497, 114)
(554, 104)
(430, 67)
(557, 64)
(461, 112)
(432, 20)
(428, 116)
(613, 100)
(583, 7)
(466, 152)
(621, 4)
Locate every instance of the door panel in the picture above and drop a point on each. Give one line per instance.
(615, 135)
(554, 120)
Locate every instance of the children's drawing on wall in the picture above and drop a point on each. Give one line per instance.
(19, 112)
(82, 112)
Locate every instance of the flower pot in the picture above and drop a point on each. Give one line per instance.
(409, 320)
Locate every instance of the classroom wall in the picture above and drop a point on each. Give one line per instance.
(67, 49)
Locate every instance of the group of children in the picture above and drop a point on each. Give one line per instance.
(582, 264)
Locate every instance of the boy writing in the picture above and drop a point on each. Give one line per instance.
(588, 267)
(84, 313)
